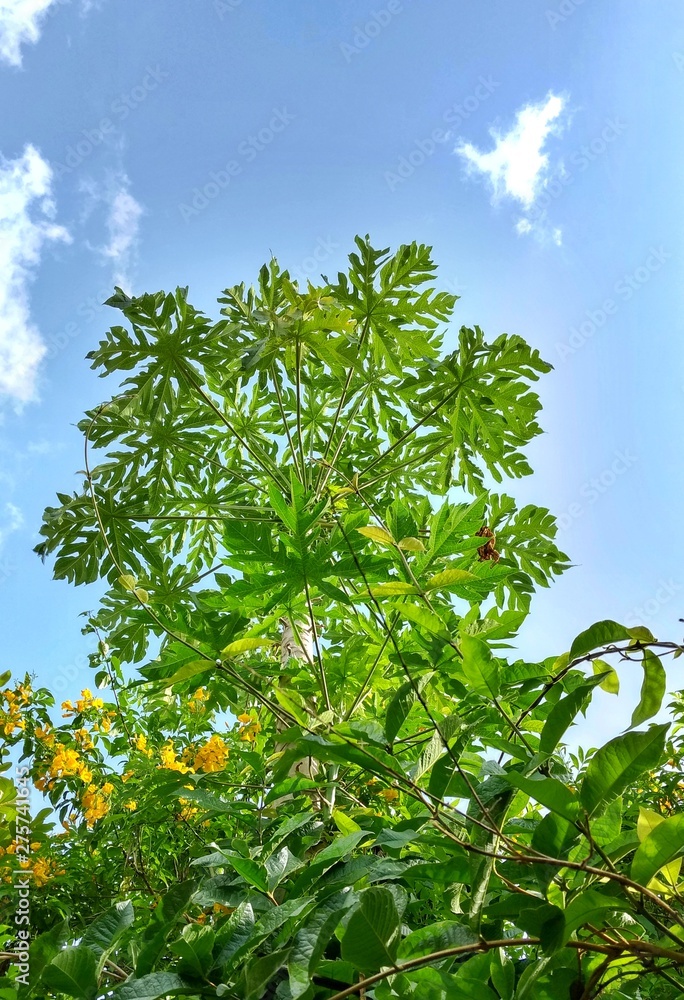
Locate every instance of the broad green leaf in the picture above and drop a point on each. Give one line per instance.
(251, 871)
(345, 824)
(157, 984)
(312, 938)
(449, 578)
(617, 764)
(248, 936)
(435, 937)
(279, 865)
(562, 715)
(610, 681)
(245, 646)
(502, 971)
(547, 922)
(286, 514)
(395, 588)
(663, 845)
(188, 670)
(401, 704)
(234, 935)
(101, 936)
(371, 936)
(377, 534)
(548, 792)
(480, 667)
(652, 689)
(647, 822)
(260, 971)
(74, 972)
(410, 544)
(341, 846)
(291, 706)
(165, 917)
(641, 634)
(591, 907)
(601, 634)
(426, 619)
(194, 948)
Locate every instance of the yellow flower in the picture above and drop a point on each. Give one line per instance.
(68, 708)
(127, 776)
(389, 794)
(108, 788)
(212, 756)
(24, 692)
(43, 870)
(65, 762)
(95, 805)
(170, 761)
(188, 810)
(82, 736)
(140, 743)
(131, 805)
(249, 727)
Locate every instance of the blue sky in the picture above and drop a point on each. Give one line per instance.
(536, 146)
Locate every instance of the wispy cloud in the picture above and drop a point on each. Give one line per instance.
(11, 519)
(20, 23)
(518, 167)
(26, 225)
(122, 223)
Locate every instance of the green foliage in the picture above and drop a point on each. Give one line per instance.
(366, 794)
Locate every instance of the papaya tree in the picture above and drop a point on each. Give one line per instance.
(310, 764)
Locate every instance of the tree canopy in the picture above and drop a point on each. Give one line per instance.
(313, 766)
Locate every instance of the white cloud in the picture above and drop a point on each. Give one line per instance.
(20, 23)
(11, 519)
(26, 214)
(517, 167)
(122, 222)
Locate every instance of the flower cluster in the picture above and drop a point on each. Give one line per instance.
(196, 703)
(66, 763)
(11, 717)
(84, 704)
(95, 802)
(45, 735)
(212, 756)
(249, 727)
(188, 811)
(170, 761)
(44, 869)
